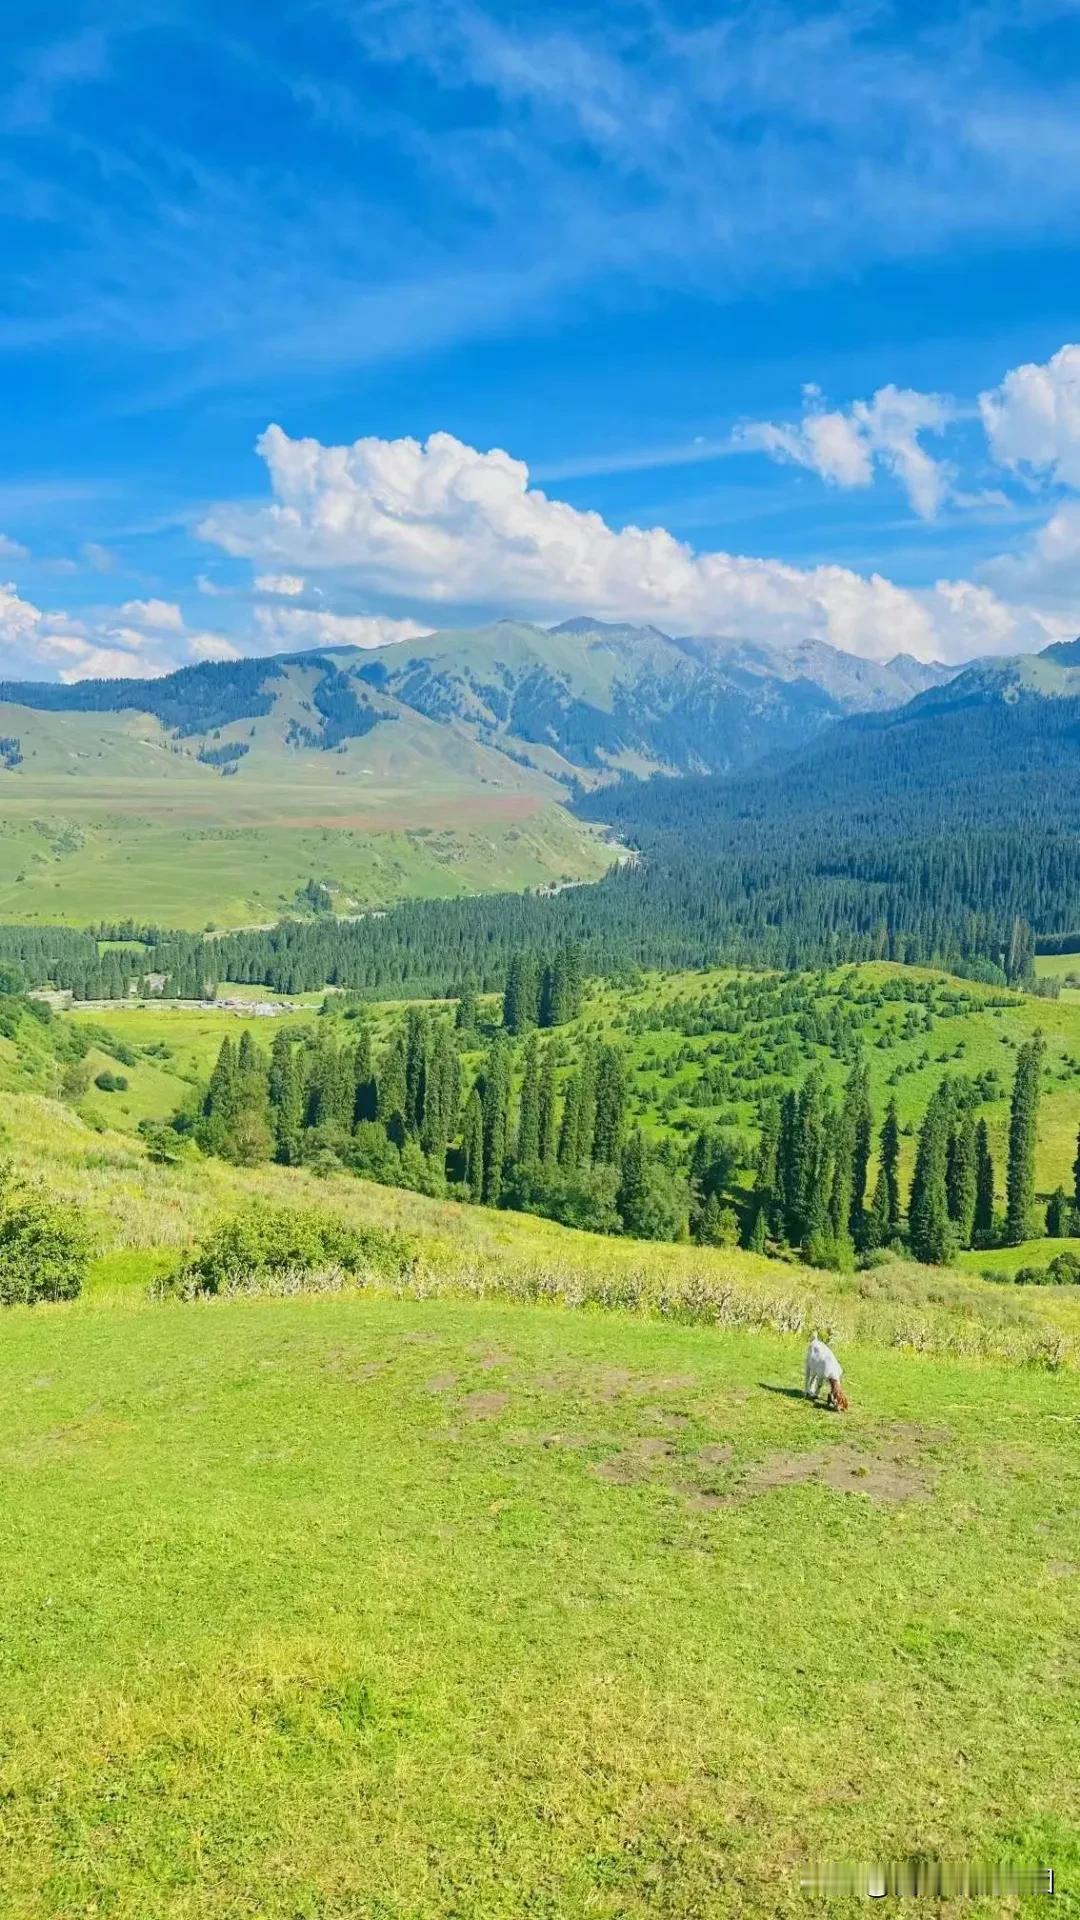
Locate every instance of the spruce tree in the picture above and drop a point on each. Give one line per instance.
(417, 1048)
(365, 1092)
(547, 1125)
(932, 1234)
(496, 1111)
(528, 1136)
(472, 1145)
(286, 1091)
(875, 1228)
(766, 1197)
(391, 1089)
(843, 1136)
(890, 1169)
(521, 997)
(1058, 1215)
(787, 1166)
(610, 1106)
(983, 1224)
(962, 1176)
(467, 1015)
(1023, 1128)
(857, 1099)
(570, 1127)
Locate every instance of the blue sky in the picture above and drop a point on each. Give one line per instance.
(789, 289)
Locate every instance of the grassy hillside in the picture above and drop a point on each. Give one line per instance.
(336, 1606)
(526, 1582)
(109, 809)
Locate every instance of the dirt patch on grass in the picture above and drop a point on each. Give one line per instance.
(489, 1361)
(714, 1455)
(843, 1469)
(636, 1461)
(484, 1406)
(664, 1417)
(441, 1383)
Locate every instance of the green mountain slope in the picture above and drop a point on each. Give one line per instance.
(439, 766)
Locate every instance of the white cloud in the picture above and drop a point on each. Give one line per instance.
(11, 549)
(1033, 418)
(210, 588)
(162, 614)
(212, 646)
(445, 524)
(844, 447)
(296, 627)
(98, 557)
(286, 584)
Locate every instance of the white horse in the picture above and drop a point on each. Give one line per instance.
(822, 1368)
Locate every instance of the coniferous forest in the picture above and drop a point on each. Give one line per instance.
(458, 1101)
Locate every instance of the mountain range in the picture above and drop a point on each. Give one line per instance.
(579, 703)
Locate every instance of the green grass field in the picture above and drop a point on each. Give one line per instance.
(108, 814)
(416, 1609)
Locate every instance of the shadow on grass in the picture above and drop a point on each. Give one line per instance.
(789, 1393)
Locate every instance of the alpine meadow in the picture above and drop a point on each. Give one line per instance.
(539, 962)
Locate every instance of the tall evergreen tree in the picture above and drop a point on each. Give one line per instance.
(286, 1090)
(570, 1125)
(963, 1175)
(933, 1238)
(983, 1223)
(391, 1097)
(496, 1110)
(528, 1136)
(365, 1091)
(473, 1145)
(521, 997)
(548, 1123)
(788, 1161)
(766, 1196)
(467, 1015)
(417, 1048)
(857, 1099)
(610, 1120)
(1023, 1127)
(842, 1137)
(890, 1168)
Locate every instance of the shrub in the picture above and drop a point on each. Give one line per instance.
(1063, 1271)
(285, 1250)
(43, 1250)
(111, 1082)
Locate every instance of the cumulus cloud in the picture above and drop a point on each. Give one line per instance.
(286, 584)
(844, 448)
(212, 646)
(110, 645)
(297, 627)
(443, 523)
(1032, 419)
(163, 614)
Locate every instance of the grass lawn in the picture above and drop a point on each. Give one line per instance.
(356, 1606)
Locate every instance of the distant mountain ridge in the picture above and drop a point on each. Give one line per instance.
(580, 703)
